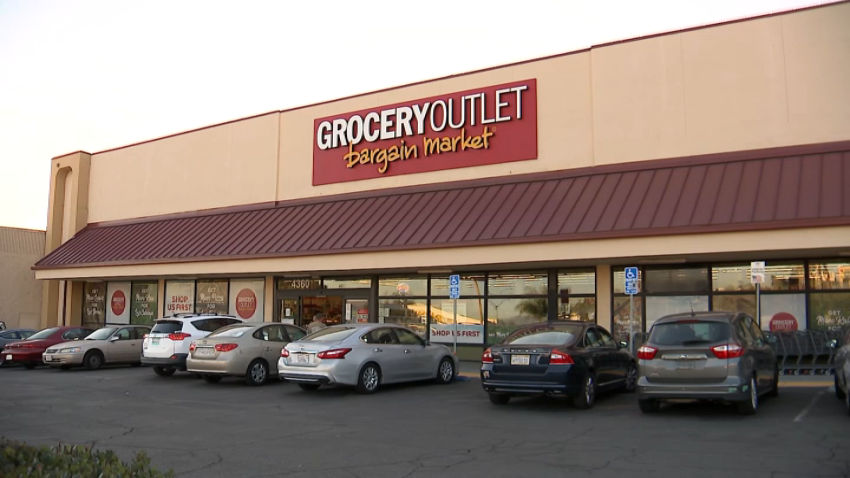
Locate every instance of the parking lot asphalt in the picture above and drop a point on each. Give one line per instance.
(420, 430)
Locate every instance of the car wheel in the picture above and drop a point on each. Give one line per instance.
(309, 387)
(499, 399)
(631, 379)
(370, 379)
(750, 406)
(838, 392)
(93, 360)
(446, 371)
(649, 405)
(774, 389)
(587, 395)
(29, 365)
(212, 378)
(164, 371)
(258, 373)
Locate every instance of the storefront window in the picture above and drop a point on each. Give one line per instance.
(470, 323)
(735, 303)
(784, 277)
(143, 307)
(783, 312)
(471, 285)
(620, 317)
(411, 313)
(179, 297)
(403, 286)
(829, 311)
(118, 297)
(658, 307)
(247, 299)
(680, 280)
(506, 315)
(731, 278)
(620, 280)
(211, 297)
(347, 283)
(518, 283)
(582, 309)
(577, 282)
(829, 275)
(94, 304)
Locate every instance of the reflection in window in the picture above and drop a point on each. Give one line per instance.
(784, 277)
(470, 285)
(348, 283)
(735, 303)
(829, 275)
(658, 307)
(830, 311)
(620, 280)
(582, 309)
(620, 317)
(730, 278)
(577, 282)
(505, 315)
(518, 283)
(411, 313)
(403, 286)
(470, 322)
(677, 280)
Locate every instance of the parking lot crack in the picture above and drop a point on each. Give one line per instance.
(219, 459)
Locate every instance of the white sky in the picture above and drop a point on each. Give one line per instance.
(92, 75)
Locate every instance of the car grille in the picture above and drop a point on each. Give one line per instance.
(52, 351)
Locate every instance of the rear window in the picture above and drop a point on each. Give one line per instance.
(690, 333)
(231, 331)
(167, 327)
(554, 335)
(43, 334)
(331, 334)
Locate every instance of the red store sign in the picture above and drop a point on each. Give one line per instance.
(491, 125)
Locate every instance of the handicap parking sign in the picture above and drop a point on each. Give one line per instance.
(454, 280)
(631, 273)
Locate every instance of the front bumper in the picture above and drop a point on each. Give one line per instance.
(733, 389)
(55, 360)
(564, 381)
(177, 361)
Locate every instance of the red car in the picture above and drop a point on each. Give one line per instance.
(28, 352)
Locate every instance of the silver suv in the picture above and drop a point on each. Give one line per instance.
(719, 356)
(167, 346)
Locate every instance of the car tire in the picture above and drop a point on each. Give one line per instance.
(164, 371)
(257, 374)
(630, 385)
(369, 379)
(446, 371)
(136, 364)
(838, 392)
(499, 398)
(29, 365)
(587, 395)
(750, 407)
(309, 387)
(774, 389)
(212, 378)
(93, 360)
(649, 405)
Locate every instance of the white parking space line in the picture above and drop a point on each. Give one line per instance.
(799, 418)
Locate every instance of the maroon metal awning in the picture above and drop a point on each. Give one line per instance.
(768, 189)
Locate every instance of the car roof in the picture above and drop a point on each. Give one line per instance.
(712, 316)
(187, 317)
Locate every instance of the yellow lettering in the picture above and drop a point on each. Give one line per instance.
(393, 154)
(486, 135)
(445, 144)
(457, 139)
(352, 156)
(431, 146)
(411, 152)
(381, 158)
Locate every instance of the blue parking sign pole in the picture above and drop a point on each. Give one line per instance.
(454, 291)
(631, 288)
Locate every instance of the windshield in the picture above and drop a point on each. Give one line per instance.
(331, 334)
(690, 333)
(43, 334)
(101, 334)
(231, 331)
(167, 327)
(552, 335)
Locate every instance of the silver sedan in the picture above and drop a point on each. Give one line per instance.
(365, 356)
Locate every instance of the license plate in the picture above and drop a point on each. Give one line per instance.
(48, 358)
(520, 359)
(154, 341)
(8, 357)
(301, 358)
(686, 365)
(204, 352)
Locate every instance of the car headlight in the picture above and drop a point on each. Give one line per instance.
(72, 350)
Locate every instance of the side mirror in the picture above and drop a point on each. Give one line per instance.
(833, 344)
(623, 345)
(114, 338)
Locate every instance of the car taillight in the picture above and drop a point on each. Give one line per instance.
(27, 346)
(192, 347)
(560, 358)
(646, 353)
(727, 351)
(179, 336)
(284, 352)
(225, 347)
(333, 354)
(487, 357)
(146, 336)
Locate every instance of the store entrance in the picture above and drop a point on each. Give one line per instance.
(337, 309)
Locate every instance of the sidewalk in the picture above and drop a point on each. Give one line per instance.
(470, 370)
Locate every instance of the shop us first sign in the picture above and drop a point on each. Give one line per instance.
(495, 124)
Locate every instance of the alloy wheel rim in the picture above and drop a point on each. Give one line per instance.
(94, 360)
(446, 371)
(589, 390)
(754, 396)
(370, 378)
(258, 373)
(631, 379)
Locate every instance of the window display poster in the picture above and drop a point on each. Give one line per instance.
(247, 299)
(211, 297)
(466, 334)
(783, 312)
(830, 311)
(94, 308)
(179, 297)
(118, 302)
(143, 310)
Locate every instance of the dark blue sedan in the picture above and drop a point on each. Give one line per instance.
(573, 359)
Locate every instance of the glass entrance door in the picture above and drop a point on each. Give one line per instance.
(300, 309)
(356, 311)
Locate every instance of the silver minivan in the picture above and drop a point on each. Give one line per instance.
(719, 356)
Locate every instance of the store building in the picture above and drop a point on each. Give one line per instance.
(20, 292)
(688, 154)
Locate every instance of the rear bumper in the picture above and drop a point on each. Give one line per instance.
(22, 357)
(217, 367)
(566, 381)
(733, 389)
(177, 361)
(337, 373)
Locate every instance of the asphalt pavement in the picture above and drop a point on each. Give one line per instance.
(421, 430)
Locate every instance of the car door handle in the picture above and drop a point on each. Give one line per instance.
(378, 350)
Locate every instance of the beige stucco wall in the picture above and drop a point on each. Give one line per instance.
(226, 165)
(20, 292)
(768, 82)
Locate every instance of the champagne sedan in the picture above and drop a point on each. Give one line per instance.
(241, 350)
